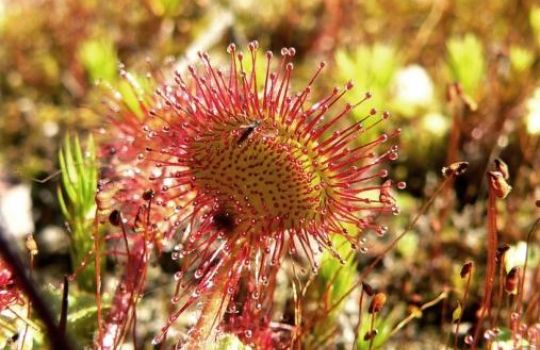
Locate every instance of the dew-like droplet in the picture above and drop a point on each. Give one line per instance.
(381, 230)
(178, 275)
(157, 339)
(489, 335)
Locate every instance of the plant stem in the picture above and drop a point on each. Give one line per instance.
(491, 262)
(463, 301)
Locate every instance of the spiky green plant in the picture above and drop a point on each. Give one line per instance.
(467, 63)
(76, 198)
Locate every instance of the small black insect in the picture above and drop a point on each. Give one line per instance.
(248, 131)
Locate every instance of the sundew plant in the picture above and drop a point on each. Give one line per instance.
(280, 175)
(241, 176)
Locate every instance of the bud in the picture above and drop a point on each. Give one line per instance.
(501, 251)
(466, 269)
(501, 167)
(498, 184)
(377, 303)
(512, 280)
(371, 334)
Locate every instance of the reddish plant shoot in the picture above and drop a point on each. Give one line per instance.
(9, 293)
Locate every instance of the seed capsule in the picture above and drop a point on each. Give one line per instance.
(377, 303)
(371, 334)
(498, 184)
(512, 280)
(501, 167)
(466, 269)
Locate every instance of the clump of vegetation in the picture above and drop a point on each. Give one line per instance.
(191, 193)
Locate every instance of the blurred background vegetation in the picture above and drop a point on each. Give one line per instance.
(408, 54)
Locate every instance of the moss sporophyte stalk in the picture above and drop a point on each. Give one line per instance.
(239, 171)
